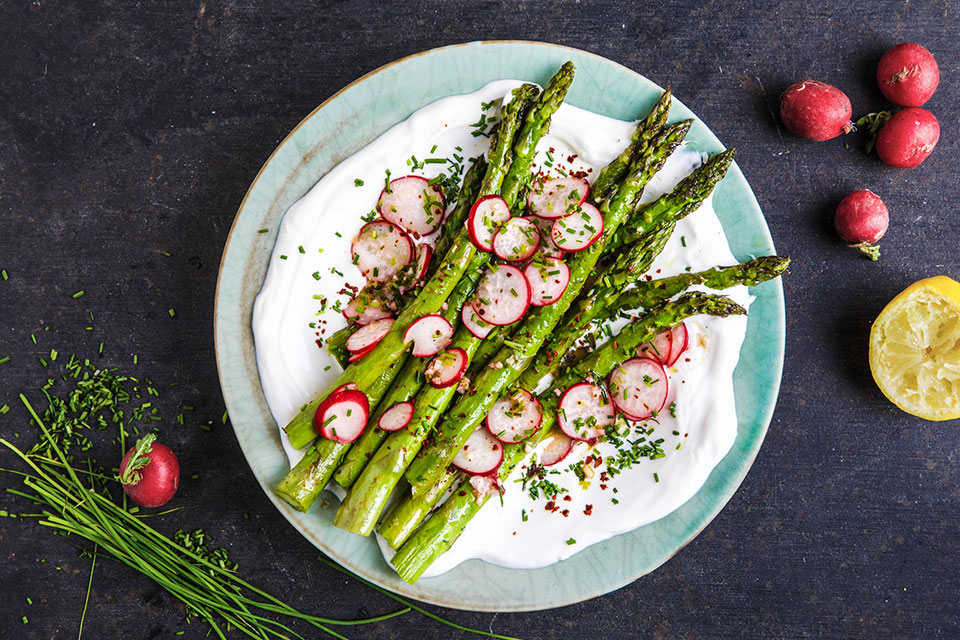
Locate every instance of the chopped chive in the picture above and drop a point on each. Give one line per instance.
(4, 359)
(571, 541)
(171, 312)
(4, 273)
(357, 182)
(683, 240)
(283, 257)
(301, 249)
(100, 352)
(79, 294)
(264, 231)
(656, 478)
(34, 338)
(167, 253)
(135, 358)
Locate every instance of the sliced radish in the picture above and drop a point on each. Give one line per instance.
(359, 354)
(502, 296)
(639, 387)
(548, 280)
(418, 272)
(342, 416)
(578, 230)
(380, 250)
(659, 348)
(447, 368)
(367, 337)
(681, 339)
(480, 455)
(364, 309)
(515, 418)
(585, 411)
(474, 324)
(412, 203)
(517, 239)
(429, 335)
(548, 248)
(396, 417)
(486, 216)
(556, 450)
(556, 197)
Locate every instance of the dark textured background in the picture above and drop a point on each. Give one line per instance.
(131, 130)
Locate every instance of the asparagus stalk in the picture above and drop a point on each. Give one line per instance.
(685, 198)
(367, 498)
(410, 512)
(459, 257)
(512, 359)
(445, 525)
(613, 173)
(750, 273)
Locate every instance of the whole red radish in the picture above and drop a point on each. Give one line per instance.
(815, 110)
(150, 473)
(908, 75)
(861, 220)
(907, 138)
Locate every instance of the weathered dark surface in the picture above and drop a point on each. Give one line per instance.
(129, 131)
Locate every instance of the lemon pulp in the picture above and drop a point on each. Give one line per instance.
(915, 349)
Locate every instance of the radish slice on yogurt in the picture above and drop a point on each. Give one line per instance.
(367, 337)
(585, 411)
(517, 239)
(480, 455)
(412, 203)
(515, 417)
(502, 295)
(447, 368)
(556, 450)
(429, 335)
(639, 387)
(342, 416)
(380, 250)
(474, 323)
(486, 216)
(660, 348)
(681, 339)
(557, 197)
(396, 417)
(548, 280)
(578, 230)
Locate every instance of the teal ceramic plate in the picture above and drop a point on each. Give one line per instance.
(345, 123)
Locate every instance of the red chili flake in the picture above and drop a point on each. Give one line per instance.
(603, 476)
(598, 462)
(568, 498)
(588, 460)
(603, 486)
(549, 506)
(565, 512)
(588, 510)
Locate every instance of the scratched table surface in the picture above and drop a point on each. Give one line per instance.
(132, 130)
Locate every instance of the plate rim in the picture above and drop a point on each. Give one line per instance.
(764, 417)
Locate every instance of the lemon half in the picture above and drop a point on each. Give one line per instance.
(915, 349)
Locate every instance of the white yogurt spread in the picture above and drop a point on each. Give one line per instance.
(293, 369)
